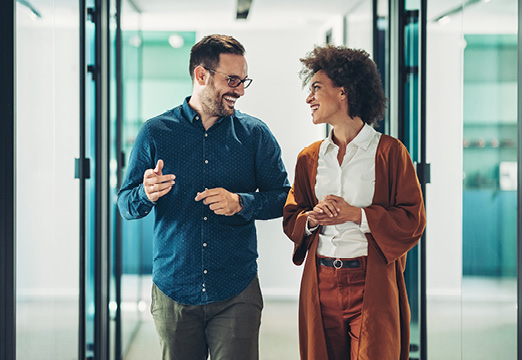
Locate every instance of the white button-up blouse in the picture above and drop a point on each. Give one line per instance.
(354, 180)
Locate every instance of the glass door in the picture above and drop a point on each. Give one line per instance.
(47, 195)
(472, 213)
(489, 198)
(407, 122)
(87, 134)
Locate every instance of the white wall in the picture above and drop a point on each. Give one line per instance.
(276, 96)
(47, 144)
(444, 153)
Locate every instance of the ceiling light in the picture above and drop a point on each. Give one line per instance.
(176, 41)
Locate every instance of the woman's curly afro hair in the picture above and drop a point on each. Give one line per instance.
(353, 70)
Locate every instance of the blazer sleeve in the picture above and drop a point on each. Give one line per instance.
(300, 200)
(397, 216)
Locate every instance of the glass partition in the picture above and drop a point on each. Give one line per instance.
(472, 146)
(47, 197)
(155, 77)
(131, 239)
(489, 200)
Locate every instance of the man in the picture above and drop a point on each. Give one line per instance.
(209, 171)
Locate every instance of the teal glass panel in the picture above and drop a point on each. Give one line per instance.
(131, 240)
(90, 186)
(410, 138)
(489, 226)
(155, 78)
(411, 88)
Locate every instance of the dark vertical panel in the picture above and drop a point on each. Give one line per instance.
(423, 171)
(375, 31)
(7, 182)
(102, 214)
(119, 175)
(401, 22)
(81, 178)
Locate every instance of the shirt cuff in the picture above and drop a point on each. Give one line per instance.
(309, 231)
(247, 211)
(145, 200)
(364, 227)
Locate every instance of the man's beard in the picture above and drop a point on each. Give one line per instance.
(213, 105)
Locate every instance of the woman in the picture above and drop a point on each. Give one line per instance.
(356, 208)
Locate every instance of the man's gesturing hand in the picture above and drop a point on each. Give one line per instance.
(221, 201)
(155, 183)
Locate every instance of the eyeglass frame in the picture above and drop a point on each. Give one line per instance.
(246, 81)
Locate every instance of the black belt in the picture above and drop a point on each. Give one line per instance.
(338, 263)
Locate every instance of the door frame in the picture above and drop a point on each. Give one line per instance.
(8, 181)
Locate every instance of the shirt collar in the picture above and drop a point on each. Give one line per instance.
(191, 115)
(189, 112)
(362, 140)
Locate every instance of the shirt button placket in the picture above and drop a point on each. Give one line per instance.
(205, 219)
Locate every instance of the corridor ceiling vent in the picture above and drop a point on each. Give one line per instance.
(243, 7)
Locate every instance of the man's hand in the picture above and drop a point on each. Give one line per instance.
(333, 210)
(221, 201)
(155, 183)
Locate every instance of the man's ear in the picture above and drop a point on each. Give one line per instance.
(200, 75)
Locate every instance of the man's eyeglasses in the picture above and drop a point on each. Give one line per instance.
(233, 81)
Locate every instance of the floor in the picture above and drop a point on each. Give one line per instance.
(278, 335)
(479, 325)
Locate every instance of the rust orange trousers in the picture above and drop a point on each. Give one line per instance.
(341, 293)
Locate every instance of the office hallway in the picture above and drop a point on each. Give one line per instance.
(485, 301)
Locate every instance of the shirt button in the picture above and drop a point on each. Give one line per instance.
(197, 117)
(206, 134)
(204, 244)
(206, 161)
(205, 271)
(205, 218)
(203, 290)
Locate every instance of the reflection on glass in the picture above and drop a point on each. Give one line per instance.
(155, 78)
(90, 199)
(131, 232)
(47, 193)
(490, 196)
(472, 113)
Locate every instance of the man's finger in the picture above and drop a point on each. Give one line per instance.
(155, 179)
(207, 193)
(163, 192)
(159, 167)
(149, 173)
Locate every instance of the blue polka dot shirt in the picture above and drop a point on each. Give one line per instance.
(201, 257)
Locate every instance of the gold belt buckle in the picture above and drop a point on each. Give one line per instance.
(338, 264)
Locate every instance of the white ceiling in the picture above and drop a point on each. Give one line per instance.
(272, 13)
(192, 14)
(263, 13)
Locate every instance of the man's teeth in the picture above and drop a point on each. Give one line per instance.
(230, 98)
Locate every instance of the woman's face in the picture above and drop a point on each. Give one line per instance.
(327, 102)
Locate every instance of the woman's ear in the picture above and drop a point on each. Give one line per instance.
(200, 74)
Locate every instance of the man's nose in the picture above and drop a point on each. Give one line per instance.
(240, 90)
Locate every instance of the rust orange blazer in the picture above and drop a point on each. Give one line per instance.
(396, 219)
